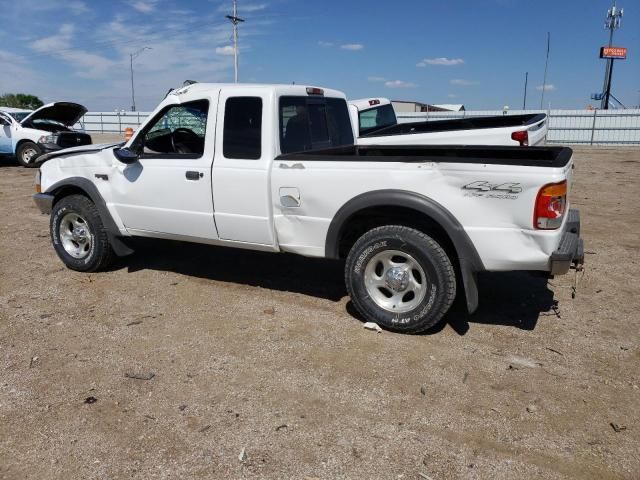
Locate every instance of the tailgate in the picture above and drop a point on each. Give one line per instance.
(538, 132)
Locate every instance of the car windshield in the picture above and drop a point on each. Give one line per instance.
(19, 116)
(46, 121)
(376, 118)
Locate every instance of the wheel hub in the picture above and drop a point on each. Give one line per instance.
(75, 236)
(397, 279)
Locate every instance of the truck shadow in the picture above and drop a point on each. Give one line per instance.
(8, 161)
(283, 272)
(514, 299)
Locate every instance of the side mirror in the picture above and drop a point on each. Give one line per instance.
(126, 155)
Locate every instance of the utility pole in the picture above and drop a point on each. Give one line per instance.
(526, 80)
(613, 21)
(546, 65)
(133, 93)
(235, 20)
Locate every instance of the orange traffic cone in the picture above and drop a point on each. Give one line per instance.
(128, 133)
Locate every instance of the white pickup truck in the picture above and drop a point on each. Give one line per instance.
(275, 168)
(27, 134)
(375, 123)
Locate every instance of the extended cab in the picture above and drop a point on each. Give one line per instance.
(27, 134)
(375, 123)
(275, 168)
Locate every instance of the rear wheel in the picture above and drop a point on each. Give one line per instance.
(400, 278)
(27, 153)
(78, 235)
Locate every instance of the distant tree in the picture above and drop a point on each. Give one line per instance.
(20, 100)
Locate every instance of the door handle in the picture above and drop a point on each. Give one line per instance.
(297, 166)
(191, 175)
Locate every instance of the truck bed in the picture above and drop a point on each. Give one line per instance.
(471, 123)
(556, 157)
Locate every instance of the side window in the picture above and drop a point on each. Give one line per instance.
(313, 123)
(242, 136)
(179, 130)
(376, 118)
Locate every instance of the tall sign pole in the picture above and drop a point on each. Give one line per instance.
(524, 101)
(235, 20)
(612, 22)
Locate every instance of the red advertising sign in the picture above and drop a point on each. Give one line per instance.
(613, 52)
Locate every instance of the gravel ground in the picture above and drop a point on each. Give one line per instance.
(261, 354)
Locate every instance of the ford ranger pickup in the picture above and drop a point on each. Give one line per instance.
(275, 168)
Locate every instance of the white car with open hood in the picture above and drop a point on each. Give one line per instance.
(275, 168)
(27, 134)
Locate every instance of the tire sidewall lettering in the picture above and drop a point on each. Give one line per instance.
(367, 253)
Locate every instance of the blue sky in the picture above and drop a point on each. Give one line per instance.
(474, 52)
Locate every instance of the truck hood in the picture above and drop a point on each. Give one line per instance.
(75, 151)
(66, 113)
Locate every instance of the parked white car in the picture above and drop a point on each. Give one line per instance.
(275, 168)
(27, 134)
(375, 123)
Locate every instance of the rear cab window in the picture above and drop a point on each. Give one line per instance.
(313, 123)
(376, 118)
(242, 137)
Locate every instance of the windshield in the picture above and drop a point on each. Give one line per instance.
(46, 121)
(19, 116)
(376, 118)
(312, 123)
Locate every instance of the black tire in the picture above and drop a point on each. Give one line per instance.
(437, 289)
(99, 254)
(23, 152)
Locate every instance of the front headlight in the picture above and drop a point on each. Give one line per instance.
(48, 139)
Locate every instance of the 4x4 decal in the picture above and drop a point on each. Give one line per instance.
(481, 188)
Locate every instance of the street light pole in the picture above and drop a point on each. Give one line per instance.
(133, 94)
(235, 20)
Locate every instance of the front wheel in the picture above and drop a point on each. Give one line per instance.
(27, 153)
(78, 235)
(400, 278)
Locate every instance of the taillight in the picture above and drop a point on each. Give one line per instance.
(374, 102)
(551, 203)
(315, 91)
(522, 137)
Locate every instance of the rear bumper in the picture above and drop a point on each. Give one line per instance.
(43, 201)
(571, 248)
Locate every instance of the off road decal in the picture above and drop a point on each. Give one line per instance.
(484, 189)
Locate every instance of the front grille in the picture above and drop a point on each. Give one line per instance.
(73, 139)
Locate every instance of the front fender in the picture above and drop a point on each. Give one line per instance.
(91, 191)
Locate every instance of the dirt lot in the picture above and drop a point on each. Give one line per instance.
(259, 352)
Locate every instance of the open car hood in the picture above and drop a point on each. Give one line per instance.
(66, 113)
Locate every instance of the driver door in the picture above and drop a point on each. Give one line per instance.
(167, 193)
